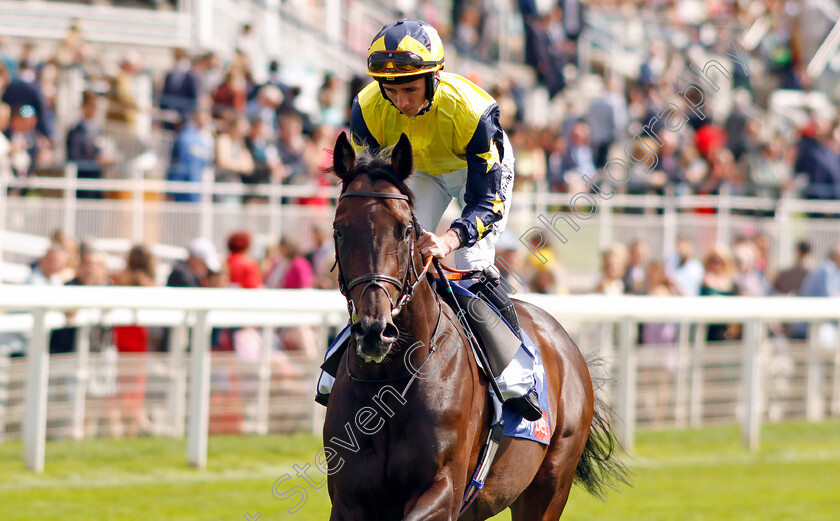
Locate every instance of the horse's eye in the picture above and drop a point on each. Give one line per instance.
(338, 234)
(407, 233)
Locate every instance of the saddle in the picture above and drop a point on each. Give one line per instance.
(492, 331)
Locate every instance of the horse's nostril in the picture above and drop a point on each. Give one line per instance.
(357, 330)
(390, 333)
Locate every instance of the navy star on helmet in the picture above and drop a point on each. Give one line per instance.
(404, 49)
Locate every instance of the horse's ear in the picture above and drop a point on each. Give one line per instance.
(344, 157)
(402, 160)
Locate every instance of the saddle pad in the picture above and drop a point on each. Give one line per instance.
(518, 427)
(515, 425)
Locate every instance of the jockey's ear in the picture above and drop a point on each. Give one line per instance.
(402, 160)
(344, 157)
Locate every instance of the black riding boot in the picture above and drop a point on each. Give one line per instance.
(489, 288)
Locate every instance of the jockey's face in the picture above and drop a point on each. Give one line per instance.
(409, 98)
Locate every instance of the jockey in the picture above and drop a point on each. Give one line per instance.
(460, 151)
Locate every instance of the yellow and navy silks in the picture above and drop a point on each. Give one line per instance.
(460, 130)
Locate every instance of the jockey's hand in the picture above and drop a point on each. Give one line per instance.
(438, 245)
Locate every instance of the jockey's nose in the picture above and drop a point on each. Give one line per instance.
(370, 331)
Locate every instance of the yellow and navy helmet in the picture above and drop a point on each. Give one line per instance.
(403, 50)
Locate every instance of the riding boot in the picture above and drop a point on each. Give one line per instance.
(490, 289)
(329, 368)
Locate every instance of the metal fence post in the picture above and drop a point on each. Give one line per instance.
(81, 380)
(813, 390)
(318, 411)
(751, 421)
(681, 377)
(177, 379)
(137, 218)
(199, 392)
(264, 380)
(37, 375)
(207, 179)
(71, 175)
(695, 401)
(626, 399)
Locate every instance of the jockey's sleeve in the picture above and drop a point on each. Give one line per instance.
(483, 197)
(360, 135)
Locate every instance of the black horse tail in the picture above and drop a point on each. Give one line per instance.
(599, 467)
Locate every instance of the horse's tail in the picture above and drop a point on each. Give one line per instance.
(599, 467)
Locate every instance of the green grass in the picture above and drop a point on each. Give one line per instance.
(688, 475)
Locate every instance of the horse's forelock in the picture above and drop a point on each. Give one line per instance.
(378, 167)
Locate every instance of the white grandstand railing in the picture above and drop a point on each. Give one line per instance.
(657, 219)
(101, 23)
(200, 309)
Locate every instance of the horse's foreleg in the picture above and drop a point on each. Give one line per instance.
(438, 503)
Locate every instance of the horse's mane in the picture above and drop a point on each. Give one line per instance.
(377, 166)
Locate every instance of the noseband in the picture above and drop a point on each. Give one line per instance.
(379, 279)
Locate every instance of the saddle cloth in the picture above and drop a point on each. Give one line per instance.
(514, 424)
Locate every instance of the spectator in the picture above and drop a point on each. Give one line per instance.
(24, 145)
(194, 272)
(192, 153)
(268, 168)
(263, 107)
(790, 280)
(181, 89)
(6, 59)
(233, 160)
(749, 280)
(686, 271)
(321, 257)
(298, 274)
(291, 146)
(579, 157)
(84, 145)
(92, 271)
(607, 119)
(330, 107)
(230, 99)
(132, 343)
(244, 271)
(635, 282)
(613, 262)
(659, 341)
(823, 281)
(49, 269)
(24, 90)
(124, 103)
(819, 163)
(718, 280)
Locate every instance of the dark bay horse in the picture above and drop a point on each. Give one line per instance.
(409, 412)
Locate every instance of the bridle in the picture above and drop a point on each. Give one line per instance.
(379, 279)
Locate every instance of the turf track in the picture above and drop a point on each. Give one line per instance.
(679, 475)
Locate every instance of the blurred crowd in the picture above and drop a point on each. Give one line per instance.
(281, 264)
(216, 115)
(739, 269)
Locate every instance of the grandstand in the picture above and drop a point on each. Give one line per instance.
(750, 172)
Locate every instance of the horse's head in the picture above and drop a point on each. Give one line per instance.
(374, 232)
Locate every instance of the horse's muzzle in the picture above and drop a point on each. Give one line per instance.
(374, 338)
